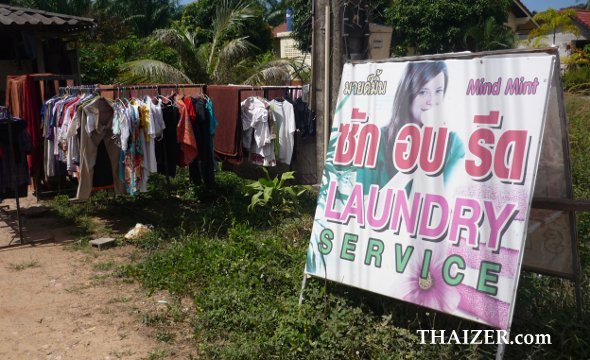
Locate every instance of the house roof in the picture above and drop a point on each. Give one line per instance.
(583, 18)
(13, 16)
(279, 29)
(520, 10)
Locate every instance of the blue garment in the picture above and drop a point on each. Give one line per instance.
(212, 127)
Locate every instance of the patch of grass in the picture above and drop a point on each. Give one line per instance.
(100, 279)
(29, 264)
(164, 336)
(121, 354)
(153, 319)
(103, 266)
(578, 111)
(78, 289)
(118, 299)
(158, 354)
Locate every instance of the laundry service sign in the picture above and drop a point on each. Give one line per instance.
(428, 181)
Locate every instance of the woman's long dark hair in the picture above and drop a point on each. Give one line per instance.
(415, 76)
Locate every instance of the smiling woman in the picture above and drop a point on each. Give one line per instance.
(421, 89)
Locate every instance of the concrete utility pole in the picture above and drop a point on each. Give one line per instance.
(327, 62)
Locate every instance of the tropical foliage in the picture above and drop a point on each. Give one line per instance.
(551, 21)
(430, 27)
(143, 16)
(302, 27)
(275, 194)
(489, 35)
(302, 12)
(227, 55)
(219, 41)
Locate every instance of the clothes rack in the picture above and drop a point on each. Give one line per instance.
(46, 86)
(117, 91)
(158, 88)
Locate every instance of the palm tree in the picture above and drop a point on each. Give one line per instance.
(143, 16)
(274, 11)
(551, 20)
(223, 60)
(224, 53)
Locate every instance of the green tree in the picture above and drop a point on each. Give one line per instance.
(197, 17)
(275, 11)
(142, 16)
(551, 21)
(489, 35)
(302, 28)
(224, 59)
(439, 26)
(100, 61)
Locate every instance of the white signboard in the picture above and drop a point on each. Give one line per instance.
(429, 178)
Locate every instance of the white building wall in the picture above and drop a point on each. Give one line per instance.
(289, 48)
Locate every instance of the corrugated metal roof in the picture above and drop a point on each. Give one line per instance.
(17, 16)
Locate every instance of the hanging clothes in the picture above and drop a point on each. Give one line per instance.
(15, 94)
(154, 133)
(228, 142)
(304, 118)
(141, 137)
(284, 117)
(258, 131)
(14, 170)
(97, 117)
(131, 173)
(168, 150)
(202, 169)
(185, 135)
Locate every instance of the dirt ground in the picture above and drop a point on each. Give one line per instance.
(61, 301)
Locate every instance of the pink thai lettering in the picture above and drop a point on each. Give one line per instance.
(424, 147)
(505, 158)
(476, 145)
(511, 153)
(357, 145)
(433, 151)
(346, 145)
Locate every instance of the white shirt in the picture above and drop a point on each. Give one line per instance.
(284, 117)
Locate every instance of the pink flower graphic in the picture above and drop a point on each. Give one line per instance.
(432, 291)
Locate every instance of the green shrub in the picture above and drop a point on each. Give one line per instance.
(275, 195)
(577, 80)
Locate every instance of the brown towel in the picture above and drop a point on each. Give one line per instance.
(228, 135)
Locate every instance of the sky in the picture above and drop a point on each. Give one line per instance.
(541, 5)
